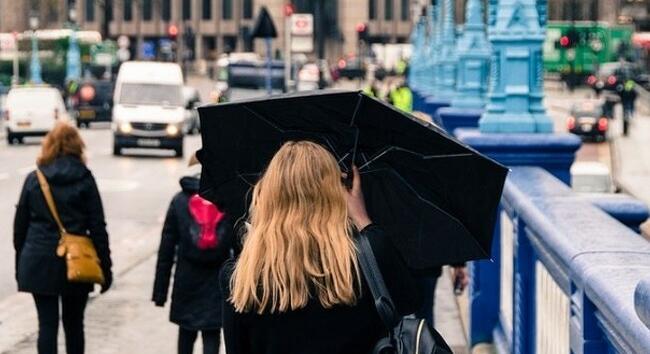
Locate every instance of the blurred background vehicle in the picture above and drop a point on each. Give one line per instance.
(587, 120)
(149, 110)
(94, 102)
(191, 100)
(248, 70)
(351, 67)
(32, 111)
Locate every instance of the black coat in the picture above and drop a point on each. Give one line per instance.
(315, 329)
(196, 296)
(38, 269)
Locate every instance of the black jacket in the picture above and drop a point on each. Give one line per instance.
(38, 269)
(317, 330)
(196, 296)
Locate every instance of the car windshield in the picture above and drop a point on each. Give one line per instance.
(151, 94)
(594, 114)
(25, 98)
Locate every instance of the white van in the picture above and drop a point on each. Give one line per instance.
(32, 111)
(148, 107)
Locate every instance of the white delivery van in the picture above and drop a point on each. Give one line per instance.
(148, 109)
(32, 111)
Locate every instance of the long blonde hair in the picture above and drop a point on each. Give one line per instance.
(299, 242)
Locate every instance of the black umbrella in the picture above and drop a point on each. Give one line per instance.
(436, 197)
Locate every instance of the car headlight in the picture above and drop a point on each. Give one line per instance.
(125, 127)
(172, 129)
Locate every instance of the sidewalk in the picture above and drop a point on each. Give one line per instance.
(125, 319)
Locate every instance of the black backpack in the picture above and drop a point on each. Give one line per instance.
(406, 335)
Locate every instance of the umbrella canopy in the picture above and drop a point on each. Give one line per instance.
(436, 197)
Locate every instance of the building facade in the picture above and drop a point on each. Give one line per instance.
(218, 26)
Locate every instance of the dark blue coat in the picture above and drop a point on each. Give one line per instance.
(38, 269)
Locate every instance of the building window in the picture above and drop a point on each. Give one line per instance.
(166, 10)
(147, 10)
(226, 9)
(248, 9)
(372, 9)
(405, 11)
(90, 10)
(388, 10)
(128, 10)
(206, 9)
(187, 9)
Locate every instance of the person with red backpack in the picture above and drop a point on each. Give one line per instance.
(197, 237)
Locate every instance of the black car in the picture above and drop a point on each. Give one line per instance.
(588, 121)
(94, 102)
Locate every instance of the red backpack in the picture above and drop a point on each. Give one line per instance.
(207, 216)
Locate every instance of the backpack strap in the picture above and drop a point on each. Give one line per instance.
(370, 269)
(45, 188)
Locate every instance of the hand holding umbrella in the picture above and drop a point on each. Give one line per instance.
(356, 204)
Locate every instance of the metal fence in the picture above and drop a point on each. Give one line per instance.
(565, 275)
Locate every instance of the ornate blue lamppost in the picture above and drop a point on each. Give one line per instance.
(428, 78)
(73, 56)
(473, 52)
(448, 59)
(516, 82)
(35, 63)
(416, 62)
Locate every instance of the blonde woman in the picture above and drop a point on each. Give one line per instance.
(297, 287)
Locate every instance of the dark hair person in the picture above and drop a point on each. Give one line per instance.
(39, 270)
(297, 286)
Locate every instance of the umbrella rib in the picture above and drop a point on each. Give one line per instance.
(427, 157)
(260, 116)
(431, 204)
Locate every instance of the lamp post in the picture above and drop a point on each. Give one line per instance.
(73, 56)
(35, 64)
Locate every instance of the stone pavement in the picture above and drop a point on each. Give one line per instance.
(124, 320)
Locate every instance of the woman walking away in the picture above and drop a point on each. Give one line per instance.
(39, 270)
(198, 236)
(297, 287)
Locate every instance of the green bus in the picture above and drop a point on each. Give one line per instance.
(580, 47)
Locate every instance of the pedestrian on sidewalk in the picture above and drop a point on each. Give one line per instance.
(628, 96)
(39, 270)
(296, 287)
(197, 239)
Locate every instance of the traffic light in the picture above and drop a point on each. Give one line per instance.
(362, 31)
(172, 32)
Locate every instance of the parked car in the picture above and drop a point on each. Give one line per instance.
(612, 74)
(148, 110)
(191, 100)
(588, 121)
(94, 102)
(32, 111)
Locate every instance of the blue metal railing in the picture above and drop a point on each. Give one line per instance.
(565, 275)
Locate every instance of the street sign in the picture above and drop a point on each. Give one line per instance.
(302, 24)
(302, 31)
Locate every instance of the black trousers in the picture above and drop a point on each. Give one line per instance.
(72, 316)
(427, 288)
(187, 337)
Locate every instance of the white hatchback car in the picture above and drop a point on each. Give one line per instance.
(32, 111)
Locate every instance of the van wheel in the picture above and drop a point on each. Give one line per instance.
(117, 150)
(179, 151)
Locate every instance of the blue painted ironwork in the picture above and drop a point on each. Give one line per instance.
(417, 57)
(35, 62)
(473, 52)
(453, 118)
(595, 261)
(73, 59)
(448, 60)
(428, 86)
(516, 79)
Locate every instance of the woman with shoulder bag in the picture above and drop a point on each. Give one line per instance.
(59, 213)
(297, 287)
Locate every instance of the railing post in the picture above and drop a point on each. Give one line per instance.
(586, 335)
(484, 292)
(524, 296)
